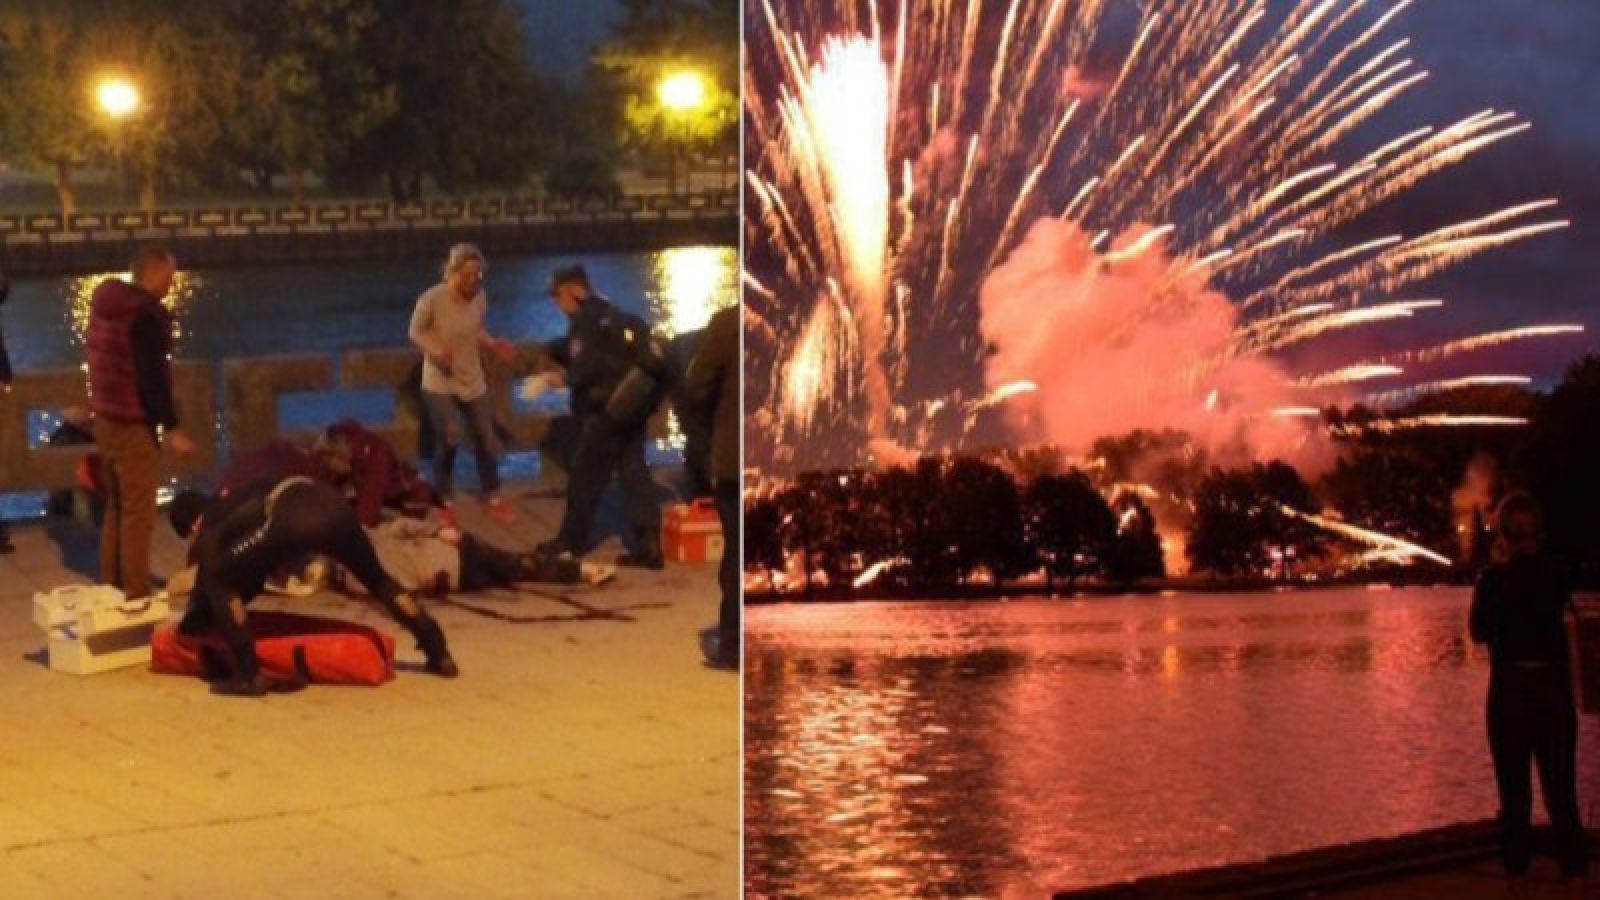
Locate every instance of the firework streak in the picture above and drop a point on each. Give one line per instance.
(950, 196)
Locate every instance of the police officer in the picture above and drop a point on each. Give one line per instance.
(616, 372)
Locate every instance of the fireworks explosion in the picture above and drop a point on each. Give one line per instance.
(1092, 215)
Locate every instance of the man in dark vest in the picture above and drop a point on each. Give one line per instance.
(130, 394)
(616, 371)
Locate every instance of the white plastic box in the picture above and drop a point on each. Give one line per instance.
(94, 628)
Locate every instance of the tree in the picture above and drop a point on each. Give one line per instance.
(1228, 534)
(308, 93)
(467, 103)
(1393, 491)
(1136, 552)
(1070, 529)
(763, 540)
(47, 53)
(1559, 466)
(653, 40)
(1240, 522)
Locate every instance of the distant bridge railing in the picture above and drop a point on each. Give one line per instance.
(365, 228)
(245, 411)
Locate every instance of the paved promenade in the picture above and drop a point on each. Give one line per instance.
(584, 752)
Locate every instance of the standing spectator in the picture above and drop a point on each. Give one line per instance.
(5, 385)
(449, 327)
(615, 370)
(712, 388)
(1517, 610)
(130, 394)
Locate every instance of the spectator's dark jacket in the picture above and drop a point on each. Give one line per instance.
(712, 385)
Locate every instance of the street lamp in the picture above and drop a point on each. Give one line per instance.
(681, 93)
(119, 99)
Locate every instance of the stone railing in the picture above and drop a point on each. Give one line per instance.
(251, 389)
(44, 243)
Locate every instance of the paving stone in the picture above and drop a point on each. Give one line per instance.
(573, 758)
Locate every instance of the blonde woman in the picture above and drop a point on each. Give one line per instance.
(449, 327)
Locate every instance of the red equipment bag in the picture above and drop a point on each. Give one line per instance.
(289, 647)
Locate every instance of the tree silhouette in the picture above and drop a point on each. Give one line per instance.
(1136, 552)
(1069, 526)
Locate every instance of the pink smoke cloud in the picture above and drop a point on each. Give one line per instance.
(1116, 344)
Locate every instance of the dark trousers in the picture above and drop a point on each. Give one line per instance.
(606, 448)
(483, 565)
(731, 571)
(1532, 721)
(445, 414)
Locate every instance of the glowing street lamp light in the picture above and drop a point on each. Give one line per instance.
(681, 91)
(118, 97)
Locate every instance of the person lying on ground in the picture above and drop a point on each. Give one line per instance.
(415, 553)
(238, 540)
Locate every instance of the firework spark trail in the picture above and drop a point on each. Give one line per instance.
(1349, 375)
(1389, 398)
(1479, 342)
(1350, 318)
(1440, 420)
(1243, 105)
(1383, 542)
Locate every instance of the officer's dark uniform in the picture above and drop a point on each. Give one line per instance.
(603, 345)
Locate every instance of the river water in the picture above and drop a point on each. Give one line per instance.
(1012, 749)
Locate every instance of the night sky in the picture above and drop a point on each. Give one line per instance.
(562, 32)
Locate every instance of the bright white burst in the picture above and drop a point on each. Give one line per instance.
(903, 151)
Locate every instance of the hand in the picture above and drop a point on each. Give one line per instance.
(443, 360)
(180, 443)
(503, 349)
(555, 378)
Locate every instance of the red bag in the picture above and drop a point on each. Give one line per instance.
(289, 647)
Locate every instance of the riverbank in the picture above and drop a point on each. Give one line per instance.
(1457, 861)
(1083, 589)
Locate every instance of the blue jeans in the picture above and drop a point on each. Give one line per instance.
(446, 412)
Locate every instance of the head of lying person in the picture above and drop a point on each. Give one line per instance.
(333, 454)
(186, 510)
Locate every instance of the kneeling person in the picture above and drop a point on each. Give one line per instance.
(241, 539)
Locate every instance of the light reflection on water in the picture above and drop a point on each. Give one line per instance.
(961, 749)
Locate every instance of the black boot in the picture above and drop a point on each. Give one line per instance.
(648, 555)
(430, 640)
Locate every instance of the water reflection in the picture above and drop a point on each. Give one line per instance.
(691, 283)
(991, 749)
(78, 291)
